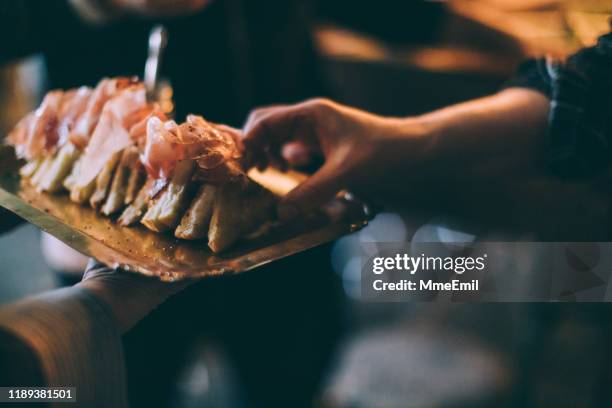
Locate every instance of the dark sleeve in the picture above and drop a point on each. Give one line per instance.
(31, 26)
(579, 138)
(531, 74)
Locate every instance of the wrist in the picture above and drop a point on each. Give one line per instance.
(109, 300)
(129, 297)
(411, 143)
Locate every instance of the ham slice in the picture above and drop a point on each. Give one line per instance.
(160, 154)
(71, 112)
(18, 137)
(138, 132)
(87, 121)
(43, 135)
(215, 150)
(64, 116)
(42, 131)
(112, 133)
(37, 133)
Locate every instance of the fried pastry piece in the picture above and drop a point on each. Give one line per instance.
(104, 180)
(41, 170)
(28, 169)
(58, 169)
(195, 222)
(79, 193)
(165, 212)
(69, 180)
(239, 209)
(116, 195)
(133, 213)
(136, 180)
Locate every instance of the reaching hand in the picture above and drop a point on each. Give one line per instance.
(159, 8)
(360, 150)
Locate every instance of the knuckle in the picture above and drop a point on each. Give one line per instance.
(263, 127)
(258, 117)
(318, 101)
(320, 105)
(251, 118)
(319, 111)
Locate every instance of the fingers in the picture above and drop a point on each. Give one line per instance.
(128, 296)
(93, 264)
(283, 135)
(118, 281)
(94, 267)
(235, 133)
(259, 136)
(95, 270)
(318, 189)
(298, 154)
(267, 130)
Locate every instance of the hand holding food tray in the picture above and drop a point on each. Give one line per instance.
(105, 171)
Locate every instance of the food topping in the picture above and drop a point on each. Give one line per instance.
(212, 148)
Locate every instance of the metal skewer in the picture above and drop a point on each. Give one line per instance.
(158, 39)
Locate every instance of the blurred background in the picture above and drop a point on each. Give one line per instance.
(402, 58)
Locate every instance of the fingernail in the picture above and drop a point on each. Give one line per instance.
(287, 212)
(335, 210)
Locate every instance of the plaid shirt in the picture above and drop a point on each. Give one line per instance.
(580, 119)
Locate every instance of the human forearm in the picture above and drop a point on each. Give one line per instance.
(482, 159)
(486, 159)
(488, 137)
(477, 142)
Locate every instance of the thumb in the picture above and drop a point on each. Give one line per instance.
(315, 191)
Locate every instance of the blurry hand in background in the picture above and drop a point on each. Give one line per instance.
(159, 8)
(102, 10)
